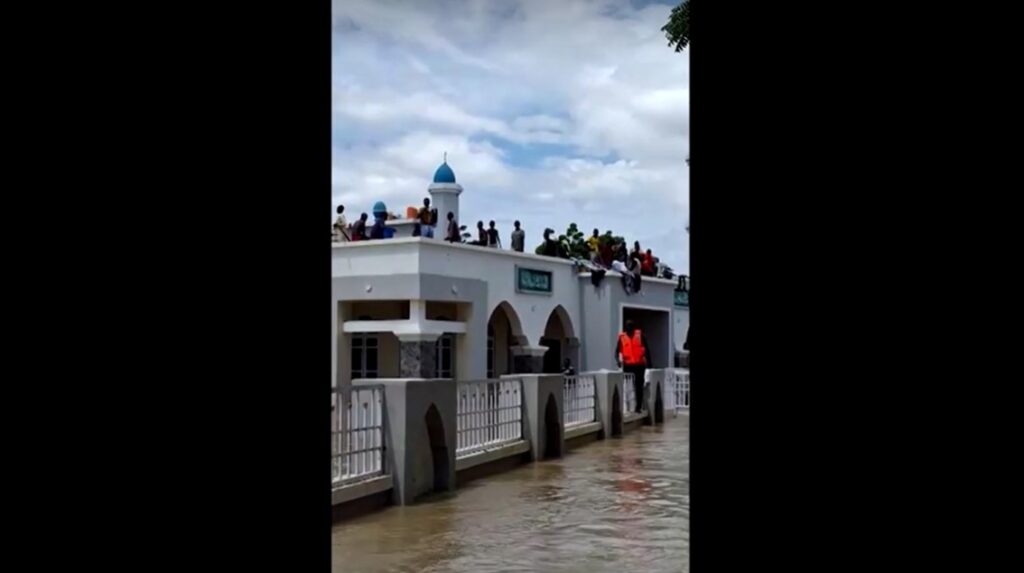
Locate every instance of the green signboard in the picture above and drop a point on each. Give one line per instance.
(683, 298)
(533, 281)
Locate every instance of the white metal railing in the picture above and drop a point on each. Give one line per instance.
(682, 388)
(489, 414)
(628, 393)
(677, 384)
(579, 401)
(357, 437)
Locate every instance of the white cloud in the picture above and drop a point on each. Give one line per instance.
(479, 79)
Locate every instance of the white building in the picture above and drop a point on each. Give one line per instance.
(411, 307)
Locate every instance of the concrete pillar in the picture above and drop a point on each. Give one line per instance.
(543, 426)
(608, 391)
(472, 346)
(417, 355)
(655, 379)
(419, 436)
(528, 359)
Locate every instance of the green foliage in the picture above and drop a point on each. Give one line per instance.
(677, 30)
(574, 243)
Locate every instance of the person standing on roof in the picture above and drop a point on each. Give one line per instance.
(493, 240)
(518, 238)
(427, 218)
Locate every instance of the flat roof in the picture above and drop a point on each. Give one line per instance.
(442, 244)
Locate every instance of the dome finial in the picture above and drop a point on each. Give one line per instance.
(446, 157)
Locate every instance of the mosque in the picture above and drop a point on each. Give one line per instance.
(417, 307)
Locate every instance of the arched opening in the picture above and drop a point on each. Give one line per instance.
(503, 331)
(438, 449)
(659, 406)
(552, 429)
(616, 413)
(557, 333)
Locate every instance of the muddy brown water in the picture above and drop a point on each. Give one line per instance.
(619, 505)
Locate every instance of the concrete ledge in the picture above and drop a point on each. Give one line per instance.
(582, 430)
(629, 417)
(487, 456)
(349, 492)
(632, 420)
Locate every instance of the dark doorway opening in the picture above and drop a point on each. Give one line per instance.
(438, 450)
(656, 326)
(553, 357)
(616, 413)
(552, 429)
(659, 406)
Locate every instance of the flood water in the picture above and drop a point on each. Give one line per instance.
(616, 505)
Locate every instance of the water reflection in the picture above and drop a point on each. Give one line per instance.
(616, 505)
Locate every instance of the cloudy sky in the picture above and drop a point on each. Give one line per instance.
(551, 111)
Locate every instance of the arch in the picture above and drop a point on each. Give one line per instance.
(616, 413)
(558, 331)
(659, 406)
(510, 314)
(438, 450)
(504, 331)
(552, 429)
(562, 315)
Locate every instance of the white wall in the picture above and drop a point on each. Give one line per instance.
(681, 317)
(597, 331)
(496, 266)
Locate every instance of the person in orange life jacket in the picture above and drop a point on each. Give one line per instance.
(632, 356)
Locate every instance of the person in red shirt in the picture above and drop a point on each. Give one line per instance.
(647, 264)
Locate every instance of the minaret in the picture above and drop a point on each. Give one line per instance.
(444, 192)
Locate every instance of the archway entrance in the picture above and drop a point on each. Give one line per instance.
(503, 332)
(557, 333)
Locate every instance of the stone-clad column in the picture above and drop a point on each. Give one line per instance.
(418, 355)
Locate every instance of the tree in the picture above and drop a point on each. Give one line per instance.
(678, 28)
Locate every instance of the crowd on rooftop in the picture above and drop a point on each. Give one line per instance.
(597, 254)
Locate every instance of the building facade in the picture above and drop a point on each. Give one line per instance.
(413, 307)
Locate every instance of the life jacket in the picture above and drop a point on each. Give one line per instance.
(632, 348)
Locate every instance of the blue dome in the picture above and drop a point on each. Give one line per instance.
(379, 207)
(444, 174)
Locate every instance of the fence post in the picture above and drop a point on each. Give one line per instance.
(543, 425)
(420, 432)
(654, 395)
(608, 394)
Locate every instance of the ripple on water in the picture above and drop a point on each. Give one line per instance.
(612, 506)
